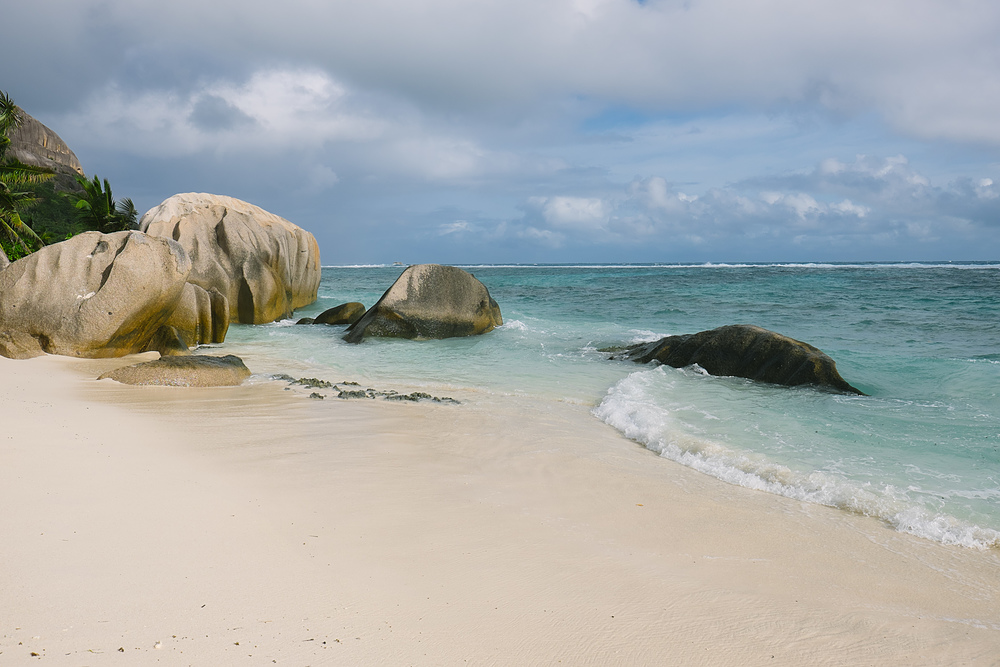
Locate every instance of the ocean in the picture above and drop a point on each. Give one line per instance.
(921, 452)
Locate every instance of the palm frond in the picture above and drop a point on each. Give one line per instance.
(15, 172)
(10, 114)
(16, 230)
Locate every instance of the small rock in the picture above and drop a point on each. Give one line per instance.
(313, 383)
(186, 371)
(345, 313)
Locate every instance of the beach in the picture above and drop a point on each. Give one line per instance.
(254, 525)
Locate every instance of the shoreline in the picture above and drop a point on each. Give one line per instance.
(251, 524)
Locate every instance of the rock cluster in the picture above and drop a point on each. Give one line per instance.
(429, 301)
(264, 265)
(108, 295)
(742, 350)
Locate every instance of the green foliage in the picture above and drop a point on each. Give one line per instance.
(99, 211)
(34, 213)
(14, 179)
(53, 215)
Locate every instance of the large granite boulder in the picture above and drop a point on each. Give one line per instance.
(429, 301)
(94, 295)
(35, 144)
(188, 371)
(743, 350)
(264, 265)
(345, 313)
(4, 262)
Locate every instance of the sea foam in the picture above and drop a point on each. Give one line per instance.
(638, 413)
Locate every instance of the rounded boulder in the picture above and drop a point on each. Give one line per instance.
(430, 301)
(264, 265)
(94, 295)
(747, 351)
(186, 371)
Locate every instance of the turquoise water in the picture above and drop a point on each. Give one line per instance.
(922, 452)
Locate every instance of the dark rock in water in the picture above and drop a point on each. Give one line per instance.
(306, 320)
(429, 301)
(184, 371)
(345, 313)
(742, 350)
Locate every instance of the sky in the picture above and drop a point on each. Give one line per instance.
(496, 131)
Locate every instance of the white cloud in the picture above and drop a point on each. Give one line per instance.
(850, 208)
(272, 110)
(457, 227)
(928, 67)
(286, 112)
(608, 121)
(890, 205)
(574, 212)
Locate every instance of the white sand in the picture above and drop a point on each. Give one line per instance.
(253, 525)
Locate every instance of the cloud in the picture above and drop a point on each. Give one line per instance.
(928, 67)
(888, 207)
(283, 112)
(581, 126)
(577, 213)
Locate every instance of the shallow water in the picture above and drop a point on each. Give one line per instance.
(922, 452)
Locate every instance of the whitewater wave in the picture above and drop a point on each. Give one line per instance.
(631, 408)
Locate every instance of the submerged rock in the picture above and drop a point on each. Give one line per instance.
(345, 313)
(94, 295)
(264, 265)
(187, 371)
(746, 351)
(429, 301)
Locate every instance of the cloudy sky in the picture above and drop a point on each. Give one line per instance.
(466, 131)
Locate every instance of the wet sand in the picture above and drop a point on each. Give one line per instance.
(254, 525)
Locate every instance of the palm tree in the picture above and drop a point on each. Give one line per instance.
(13, 175)
(99, 210)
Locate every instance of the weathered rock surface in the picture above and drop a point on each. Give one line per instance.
(264, 265)
(35, 144)
(429, 301)
(94, 295)
(186, 371)
(345, 313)
(746, 351)
(201, 316)
(4, 262)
